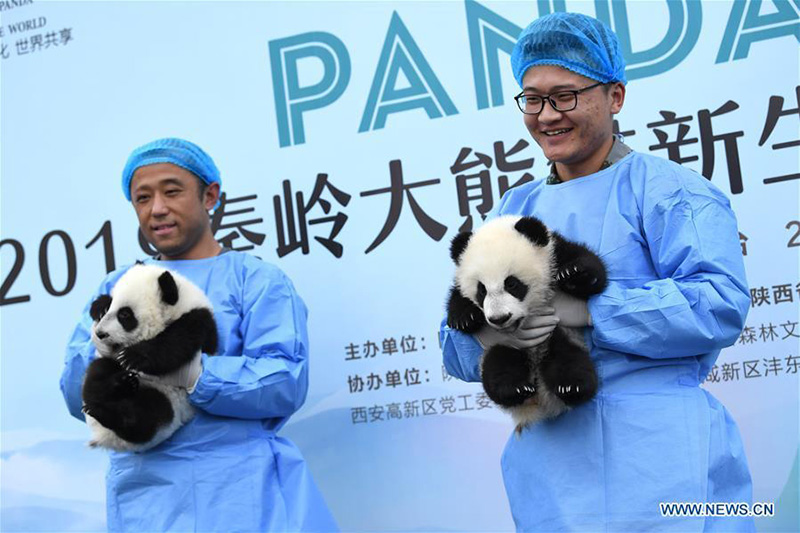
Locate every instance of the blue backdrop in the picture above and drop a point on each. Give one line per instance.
(354, 140)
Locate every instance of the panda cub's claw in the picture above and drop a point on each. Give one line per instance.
(509, 395)
(567, 272)
(131, 379)
(526, 390)
(575, 394)
(120, 357)
(133, 359)
(577, 278)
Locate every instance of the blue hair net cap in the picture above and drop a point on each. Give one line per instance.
(179, 152)
(573, 41)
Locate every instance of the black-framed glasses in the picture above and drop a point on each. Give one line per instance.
(532, 104)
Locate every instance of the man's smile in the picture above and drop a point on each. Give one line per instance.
(163, 229)
(557, 133)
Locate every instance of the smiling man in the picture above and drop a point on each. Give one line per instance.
(227, 469)
(676, 295)
(172, 206)
(576, 139)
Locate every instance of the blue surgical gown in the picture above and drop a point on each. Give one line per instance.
(227, 469)
(677, 294)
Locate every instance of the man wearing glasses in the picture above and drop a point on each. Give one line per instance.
(677, 294)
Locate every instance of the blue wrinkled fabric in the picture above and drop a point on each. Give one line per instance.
(677, 294)
(227, 469)
(573, 41)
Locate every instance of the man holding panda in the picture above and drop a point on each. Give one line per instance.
(226, 469)
(676, 295)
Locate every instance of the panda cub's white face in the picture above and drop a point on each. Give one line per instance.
(138, 312)
(505, 274)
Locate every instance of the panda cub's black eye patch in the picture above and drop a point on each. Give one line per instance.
(127, 319)
(515, 287)
(481, 293)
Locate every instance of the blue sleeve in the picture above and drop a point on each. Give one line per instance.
(462, 352)
(269, 379)
(700, 301)
(81, 352)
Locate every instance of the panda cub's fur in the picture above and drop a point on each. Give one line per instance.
(154, 323)
(507, 270)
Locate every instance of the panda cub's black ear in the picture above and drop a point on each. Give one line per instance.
(169, 289)
(459, 244)
(534, 230)
(100, 307)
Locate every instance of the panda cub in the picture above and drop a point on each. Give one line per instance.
(505, 271)
(154, 324)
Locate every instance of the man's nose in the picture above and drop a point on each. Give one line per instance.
(549, 113)
(160, 207)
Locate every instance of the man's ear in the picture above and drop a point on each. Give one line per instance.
(211, 196)
(617, 95)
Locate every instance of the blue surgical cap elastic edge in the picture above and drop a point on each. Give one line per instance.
(557, 36)
(178, 152)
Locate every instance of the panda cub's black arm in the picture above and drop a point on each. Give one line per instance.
(175, 346)
(579, 271)
(463, 314)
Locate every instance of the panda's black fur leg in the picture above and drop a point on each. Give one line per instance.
(136, 419)
(579, 271)
(143, 415)
(116, 399)
(107, 380)
(463, 314)
(175, 346)
(506, 375)
(568, 371)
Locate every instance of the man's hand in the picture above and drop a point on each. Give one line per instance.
(533, 331)
(572, 312)
(186, 376)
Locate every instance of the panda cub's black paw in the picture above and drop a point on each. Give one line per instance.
(463, 314)
(469, 322)
(571, 394)
(576, 390)
(130, 381)
(134, 358)
(582, 277)
(510, 394)
(125, 384)
(507, 376)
